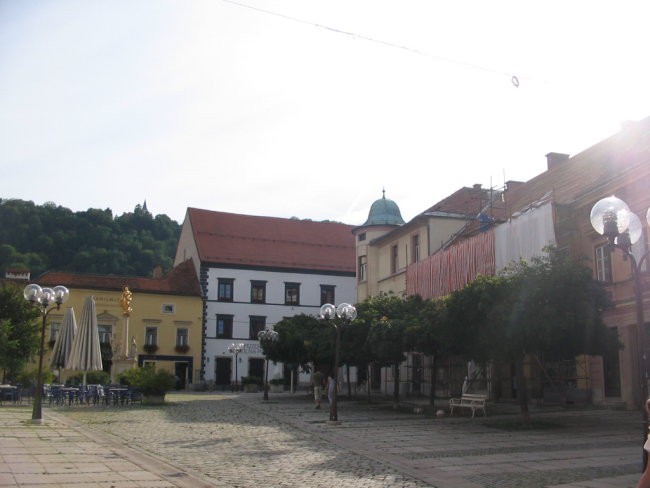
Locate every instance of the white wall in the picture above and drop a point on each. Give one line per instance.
(274, 310)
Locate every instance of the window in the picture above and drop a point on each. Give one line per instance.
(327, 294)
(603, 264)
(181, 337)
(105, 333)
(258, 291)
(362, 237)
(151, 336)
(225, 293)
(415, 248)
(362, 268)
(257, 324)
(167, 308)
(394, 264)
(224, 326)
(292, 293)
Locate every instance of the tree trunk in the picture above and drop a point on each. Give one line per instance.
(562, 382)
(522, 388)
(396, 386)
(347, 373)
(369, 383)
(432, 394)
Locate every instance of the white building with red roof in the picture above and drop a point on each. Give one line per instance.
(254, 271)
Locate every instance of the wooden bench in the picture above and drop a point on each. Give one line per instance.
(473, 401)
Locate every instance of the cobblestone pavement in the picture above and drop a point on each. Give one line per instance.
(241, 441)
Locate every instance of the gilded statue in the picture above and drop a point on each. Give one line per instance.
(125, 300)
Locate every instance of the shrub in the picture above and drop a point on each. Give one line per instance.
(92, 378)
(27, 377)
(251, 380)
(148, 380)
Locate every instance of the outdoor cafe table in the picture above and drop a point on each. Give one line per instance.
(69, 393)
(8, 392)
(117, 395)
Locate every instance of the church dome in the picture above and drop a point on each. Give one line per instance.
(384, 212)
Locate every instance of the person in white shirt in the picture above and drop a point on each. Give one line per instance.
(644, 481)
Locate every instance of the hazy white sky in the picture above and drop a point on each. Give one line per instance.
(305, 108)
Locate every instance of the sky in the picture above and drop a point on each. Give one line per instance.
(304, 108)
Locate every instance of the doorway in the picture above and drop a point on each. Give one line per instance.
(612, 373)
(256, 368)
(181, 373)
(223, 372)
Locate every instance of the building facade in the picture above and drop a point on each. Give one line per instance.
(255, 271)
(164, 327)
(386, 245)
(554, 208)
(387, 248)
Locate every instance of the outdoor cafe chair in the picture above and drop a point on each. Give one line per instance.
(134, 395)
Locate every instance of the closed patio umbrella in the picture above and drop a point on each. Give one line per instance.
(86, 354)
(63, 343)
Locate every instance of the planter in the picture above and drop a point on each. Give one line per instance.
(250, 388)
(276, 388)
(154, 399)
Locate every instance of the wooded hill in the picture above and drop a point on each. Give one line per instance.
(53, 238)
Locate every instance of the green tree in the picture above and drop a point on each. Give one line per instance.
(302, 339)
(427, 336)
(550, 307)
(51, 237)
(387, 317)
(19, 331)
(556, 311)
(355, 350)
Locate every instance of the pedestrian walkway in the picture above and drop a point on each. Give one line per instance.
(581, 448)
(60, 454)
(239, 440)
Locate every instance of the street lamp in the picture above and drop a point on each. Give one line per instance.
(46, 299)
(612, 218)
(346, 313)
(236, 349)
(267, 336)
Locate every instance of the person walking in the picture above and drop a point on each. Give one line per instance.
(331, 384)
(317, 383)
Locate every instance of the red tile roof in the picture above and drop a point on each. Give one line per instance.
(246, 240)
(618, 156)
(470, 202)
(181, 280)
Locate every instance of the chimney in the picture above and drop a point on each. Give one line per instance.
(477, 186)
(554, 159)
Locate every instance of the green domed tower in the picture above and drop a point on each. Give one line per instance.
(383, 218)
(384, 212)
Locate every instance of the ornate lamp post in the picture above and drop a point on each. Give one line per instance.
(612, 218)
(46, 299)
(346, 313)
(236, 349)
(267, 336)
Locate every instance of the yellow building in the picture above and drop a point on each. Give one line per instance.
(163, 327)
(386, 245)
